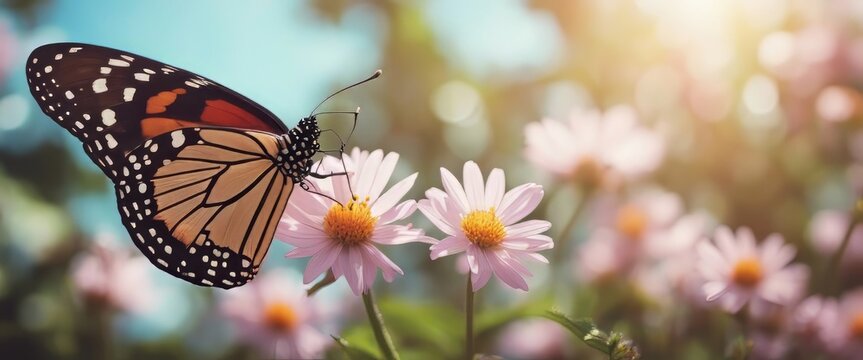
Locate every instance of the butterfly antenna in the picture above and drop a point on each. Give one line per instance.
(370, 78)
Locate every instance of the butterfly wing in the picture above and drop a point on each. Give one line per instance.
(203, 203)
(113, 100)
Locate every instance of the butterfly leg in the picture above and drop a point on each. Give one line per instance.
(305, 186)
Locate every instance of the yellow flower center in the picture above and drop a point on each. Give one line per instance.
(483, 228)
(588, 172)
(280, 316)
(747, 272)
(350, 224)
(857, 326)
(631, 221)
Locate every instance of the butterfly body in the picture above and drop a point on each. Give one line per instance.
(201, 173)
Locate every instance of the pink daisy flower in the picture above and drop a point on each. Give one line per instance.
(482, 220)
(342, 237)
(844, 331)
(110, 275)
(738, 271)
(812, 319)
(274, 315)
(591, 146)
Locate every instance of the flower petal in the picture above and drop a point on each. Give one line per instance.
(389, 269)
(428, 209)
(473, 186)
(527, 228)
(393, 195)
(531, 243)
(714, 289)
(399, 234)
(483, 269)
(320, 262)
(505, 272)
(399, 212)
(448, 246)
(368, 171)
(352, 264)
(382, 177)
(519, 202)
(454, 191)
(495, 187)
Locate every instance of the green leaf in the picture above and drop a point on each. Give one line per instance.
(353, 353)
(361, 337)
(424, 327)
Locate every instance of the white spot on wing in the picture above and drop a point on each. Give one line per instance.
(58, 56)
(69, 94)
(118, 62)
(108, 117)
(127, 57)
(73, 50)
(142, 188)
(100, 85)
(112, 143)
(188, 83)
(48, 69)
(177, 138)
(142, 77)
(105, 70)
(128, 94)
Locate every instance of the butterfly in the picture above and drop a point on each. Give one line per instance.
(201, 173)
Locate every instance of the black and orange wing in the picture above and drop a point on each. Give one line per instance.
(113, 101)
(203, 204)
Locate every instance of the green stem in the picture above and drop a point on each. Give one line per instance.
(562, 242)
(385, 342)
(468, 305)
(830, 276)
(561, 251)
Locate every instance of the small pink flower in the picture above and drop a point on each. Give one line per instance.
(844, 332)
(639, 216)
(533, 339)
(483, 220)
(811, 320)
(592, 146)
(110, 275)
(342, 237)
(737, 271)
(273, 314)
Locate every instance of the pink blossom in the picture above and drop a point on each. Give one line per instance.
(811, 320)
(274, 315)
(341, 236)
(738, 271)
(844, 332)
(483, 220)
(640, 217)
(111, 275)
(594, 147)
(533, 339)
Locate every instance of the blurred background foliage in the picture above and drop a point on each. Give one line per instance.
(758, 104)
